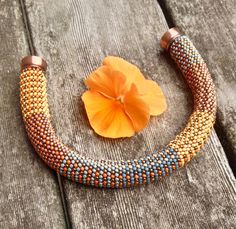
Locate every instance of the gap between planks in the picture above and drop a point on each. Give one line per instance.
(33, 52)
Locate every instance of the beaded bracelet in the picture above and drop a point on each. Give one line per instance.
(120, 174)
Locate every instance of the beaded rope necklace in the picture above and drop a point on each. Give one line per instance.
(121, 174)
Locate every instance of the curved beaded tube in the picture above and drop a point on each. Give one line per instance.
(120, 174)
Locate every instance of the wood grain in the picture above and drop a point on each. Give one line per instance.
(29, 191)
(74, 36)
(212, 27)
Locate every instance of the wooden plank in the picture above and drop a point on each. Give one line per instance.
(74, 37)
(212, 28)
(29, 191)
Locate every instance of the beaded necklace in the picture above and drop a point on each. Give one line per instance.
(120, 174)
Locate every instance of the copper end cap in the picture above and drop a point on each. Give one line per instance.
(35, 61)
(169, 37)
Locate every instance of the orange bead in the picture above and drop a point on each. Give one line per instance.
(82, 169)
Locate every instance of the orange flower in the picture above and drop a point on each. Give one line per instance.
(120, 100)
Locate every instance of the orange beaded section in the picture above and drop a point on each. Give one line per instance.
(44, 140)
(192, 138)
(33, 86)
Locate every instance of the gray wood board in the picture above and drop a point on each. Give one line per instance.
(74, 36)
(212, 26)
(29, 191)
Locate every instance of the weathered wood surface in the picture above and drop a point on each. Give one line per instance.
(212, 27)
(74, 37)
(29, 190)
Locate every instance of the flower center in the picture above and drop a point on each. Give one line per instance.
(120, 98)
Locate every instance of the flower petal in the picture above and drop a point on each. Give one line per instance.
(136, 108)
(108, 82)
(106, 116)
(152, 94)
(132, 73)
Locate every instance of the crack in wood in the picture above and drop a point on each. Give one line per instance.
(167, 15)
(27, 28)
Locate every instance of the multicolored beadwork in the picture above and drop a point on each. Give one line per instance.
(120, 174)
